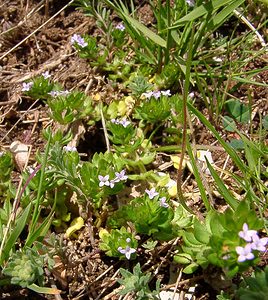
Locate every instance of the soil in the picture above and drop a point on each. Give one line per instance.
(83, 272)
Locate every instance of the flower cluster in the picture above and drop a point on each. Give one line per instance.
(105, 180)
(128, 250)
(58, 93)
(156, 94)
(253, 243)
(153, 193)
(124, 122)
(69, 148)
(77, 39)
(120, 27)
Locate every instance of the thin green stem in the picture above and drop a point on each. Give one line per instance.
(168, 32)
(184, 129)
(39, 192)
(159, 28)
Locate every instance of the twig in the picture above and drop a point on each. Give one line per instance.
(169, 286)
(177, 284)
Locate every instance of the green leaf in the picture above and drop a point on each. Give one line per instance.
(146, 31)
(198, 177)
(222, 188)
(224, 14)
(43, 290)
(237, 144)
(183, 258)
(16, 231)
(239, 111)
(265, 122)
(233, 154)
(228, 124)
(41, 231)
(201, 11)
(191, 268)
(200, 232)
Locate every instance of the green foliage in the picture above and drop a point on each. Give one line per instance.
(121, 134)
(6, 166)
(215, 241)
(139, 85)
(25, 267)
(41, 87)
(168, 76)
(113, 240)
(106, 164)
(136, 283)
(265, 122)
(154, 110)
(147, 216)
(254, 287)
(69, 108)
(239, 111)
(90, 51)
(178, 50)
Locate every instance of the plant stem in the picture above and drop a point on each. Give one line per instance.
(39, 192)
(184, 129)
(168, 32)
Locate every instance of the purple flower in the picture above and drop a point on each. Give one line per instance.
(64, 93)
(69, 148)
(120, 176)
(58, 93)
(54, 93)
(128, 240)
(247, 234)
(46, 75)
(151, 193)
(259, 244)
(124, 122)
(104, 180)
(163, 202)
(76, 38)
(127, 251)
(111, 184)
(157, 94)
(26, 86)
(244, 253)
(115, 121)
(148, 95)
(120, 27)
(166, 93)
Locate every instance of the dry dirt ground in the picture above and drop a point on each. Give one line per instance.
(28, 48)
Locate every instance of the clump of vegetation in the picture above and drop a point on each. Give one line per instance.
(166, 71)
